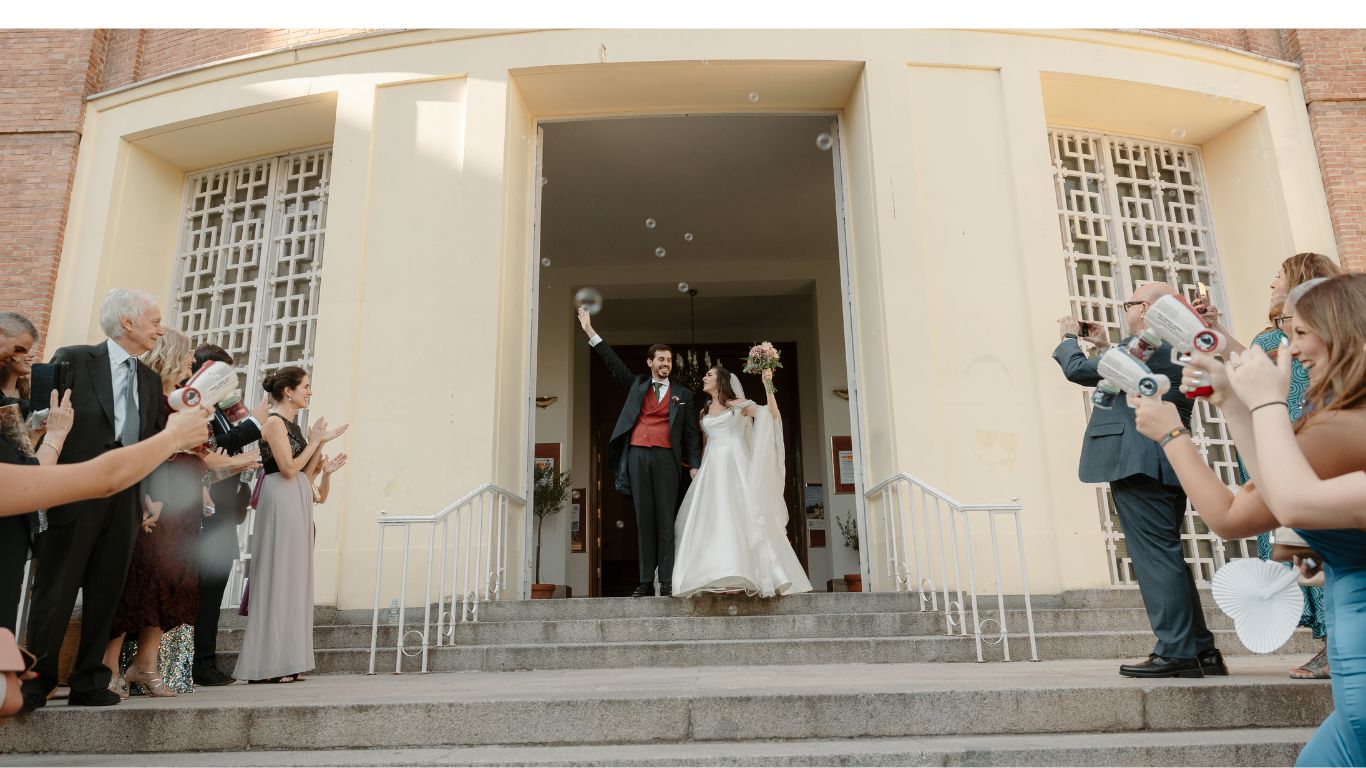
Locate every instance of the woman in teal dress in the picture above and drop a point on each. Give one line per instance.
(1328, 336)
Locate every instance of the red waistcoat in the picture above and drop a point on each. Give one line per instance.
(652, 426)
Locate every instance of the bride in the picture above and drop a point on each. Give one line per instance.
(732, 526)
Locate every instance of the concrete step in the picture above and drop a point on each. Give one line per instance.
(812, 651)
(1233, 747)
(582, 707)
(589, 608)
(775, 627)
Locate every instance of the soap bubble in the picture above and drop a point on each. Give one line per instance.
(732, 610)
(660, 252)
(590, 299)
(682, 287)
(825, 141)
(753, 95)
(1178, 133)
(621, 523)
(545, 262)
(650, 223)
(544, 181)
(687, 236)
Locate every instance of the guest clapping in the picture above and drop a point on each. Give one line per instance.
(1315, 486)
(278, 642)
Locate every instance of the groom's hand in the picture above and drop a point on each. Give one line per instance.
(586, 321)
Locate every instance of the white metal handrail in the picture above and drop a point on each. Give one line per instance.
(473, 537)
(916, 519)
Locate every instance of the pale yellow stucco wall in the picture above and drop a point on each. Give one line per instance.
(952, 241)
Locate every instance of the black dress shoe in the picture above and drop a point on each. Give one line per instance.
(101, 697)
(33, 699)
(666, 590)
(1158, 666)
(1212, 663)
(646, 589)
(210, 675)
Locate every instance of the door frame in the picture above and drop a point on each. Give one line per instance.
(840, 169)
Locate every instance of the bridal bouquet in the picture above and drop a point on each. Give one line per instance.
(763, 357)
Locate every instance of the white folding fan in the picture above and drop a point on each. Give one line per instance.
(1262, 598)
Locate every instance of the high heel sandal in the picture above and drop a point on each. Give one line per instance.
(150, 682)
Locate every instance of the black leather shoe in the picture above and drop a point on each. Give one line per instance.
(1212, 663)
(210, 675)
(102, 697)
(646, 589)
(666, 590)
(1158, 666)
(33, 699)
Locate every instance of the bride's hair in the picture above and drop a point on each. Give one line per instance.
(722, 387)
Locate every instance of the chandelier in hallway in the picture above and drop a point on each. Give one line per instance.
(691, 366)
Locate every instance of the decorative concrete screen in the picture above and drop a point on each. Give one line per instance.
(1132, 212)
(249, 261)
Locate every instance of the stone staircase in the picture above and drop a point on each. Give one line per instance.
(819, 679)
(816, 628)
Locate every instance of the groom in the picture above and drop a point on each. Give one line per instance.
(657, 425)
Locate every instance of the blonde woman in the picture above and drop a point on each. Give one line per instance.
(161, 591)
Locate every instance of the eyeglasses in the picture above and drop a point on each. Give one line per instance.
(1281, 319)
(1128, 304)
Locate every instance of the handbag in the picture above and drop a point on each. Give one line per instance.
(256, 492)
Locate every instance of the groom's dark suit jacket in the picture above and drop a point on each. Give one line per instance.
(684, 436)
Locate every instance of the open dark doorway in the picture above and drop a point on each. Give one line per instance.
(614, 553)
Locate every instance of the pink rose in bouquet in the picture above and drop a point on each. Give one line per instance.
(763, 357)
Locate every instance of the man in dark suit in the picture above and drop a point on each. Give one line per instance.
(89, 544)
(218, 536)
(1149, 500)
(656, 431)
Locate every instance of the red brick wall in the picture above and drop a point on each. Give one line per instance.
(169, 50)
(44, 80)
(1334, 73)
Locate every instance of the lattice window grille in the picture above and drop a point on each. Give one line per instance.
(1132, 211)
(249, 264)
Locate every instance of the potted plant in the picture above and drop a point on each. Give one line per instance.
(849, 530)
(550, 491)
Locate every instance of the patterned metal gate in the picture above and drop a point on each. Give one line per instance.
(249, 262)
(1130, 212)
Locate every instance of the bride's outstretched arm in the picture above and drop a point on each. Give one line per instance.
(772, 396)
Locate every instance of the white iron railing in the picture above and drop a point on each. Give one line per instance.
(472, 535)
(925, 552)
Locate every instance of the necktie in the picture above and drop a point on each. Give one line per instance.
(659, 391)
(130, 409)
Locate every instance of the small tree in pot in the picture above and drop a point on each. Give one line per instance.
(849, 531)
(550, 492)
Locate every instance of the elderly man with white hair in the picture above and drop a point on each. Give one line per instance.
(88, 544)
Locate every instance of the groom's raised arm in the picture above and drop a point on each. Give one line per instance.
(619, 370)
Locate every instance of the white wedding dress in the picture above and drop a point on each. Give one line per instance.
(731, 530)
